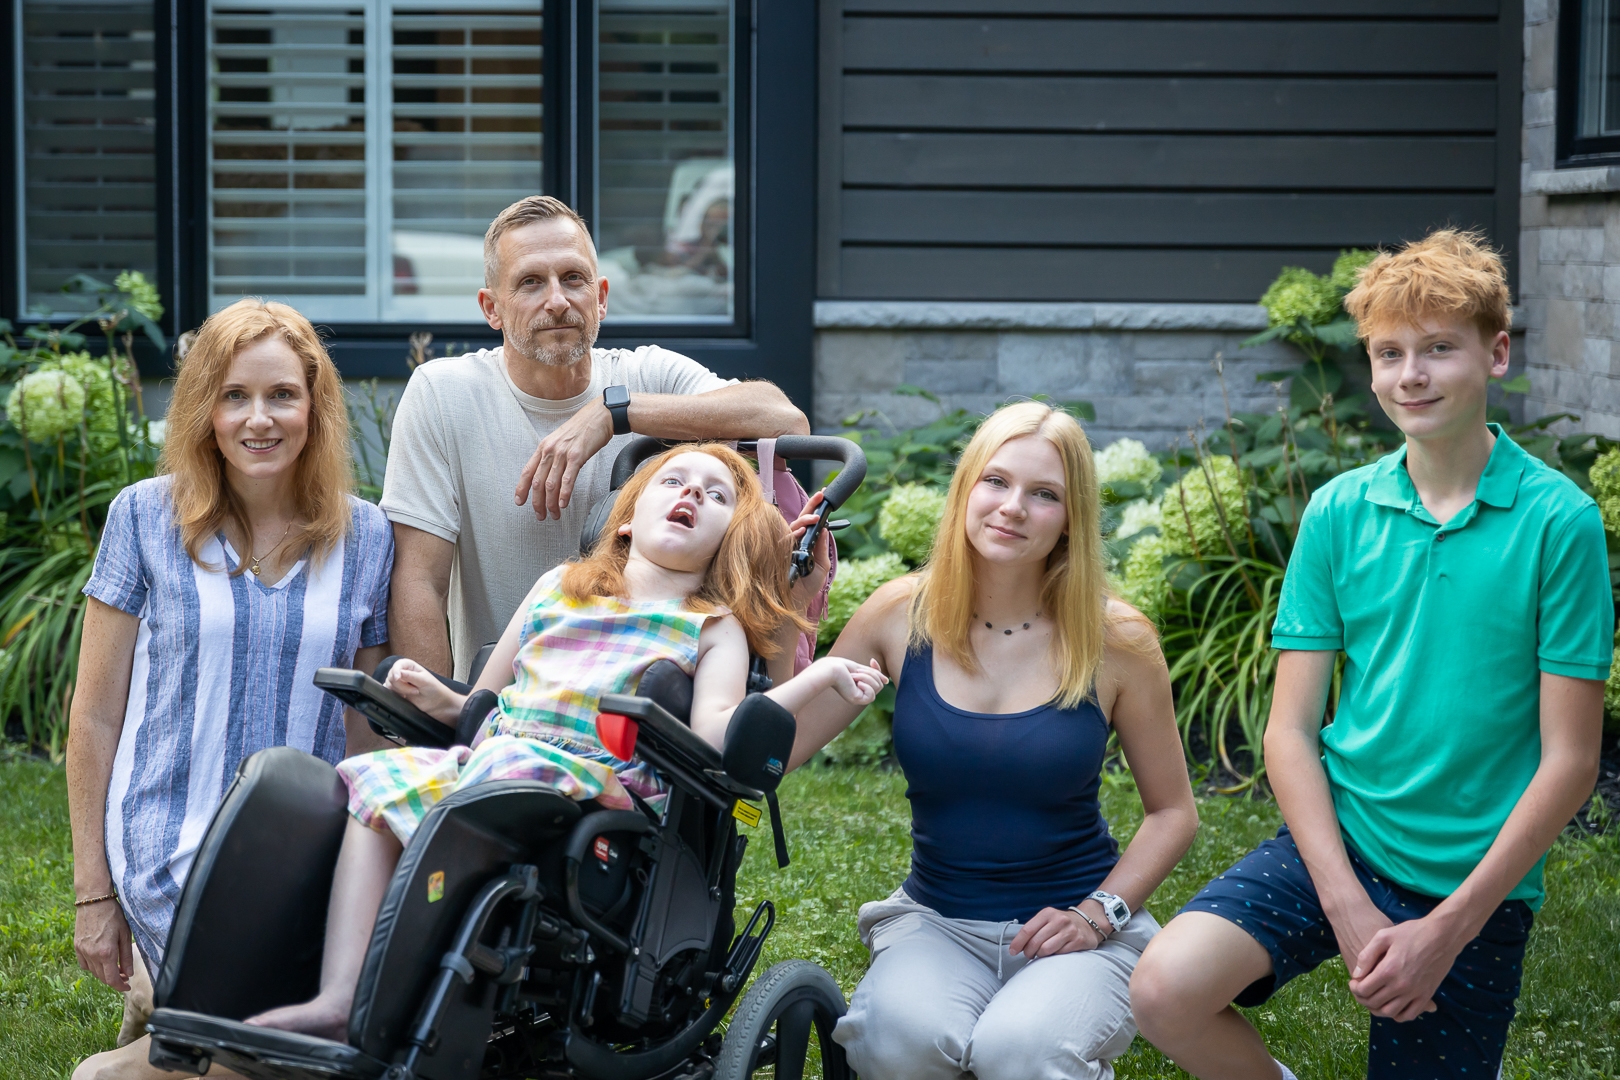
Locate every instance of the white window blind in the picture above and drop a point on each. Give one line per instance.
(358, 153)
(665, 146)
(86, 144)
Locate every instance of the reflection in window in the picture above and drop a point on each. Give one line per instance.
(87, 123)
(665, 180)
(1599, 110)
(357, 154)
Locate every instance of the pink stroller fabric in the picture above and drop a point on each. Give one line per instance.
(783, 489)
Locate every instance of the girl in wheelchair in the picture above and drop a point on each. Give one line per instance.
(694, 569)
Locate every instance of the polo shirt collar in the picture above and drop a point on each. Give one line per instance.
(1498, 485)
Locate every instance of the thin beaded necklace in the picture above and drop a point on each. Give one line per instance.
(1009, 631)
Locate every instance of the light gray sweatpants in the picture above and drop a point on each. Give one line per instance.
(944, 997)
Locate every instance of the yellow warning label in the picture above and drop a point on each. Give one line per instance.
(436, 885)
(747, 813)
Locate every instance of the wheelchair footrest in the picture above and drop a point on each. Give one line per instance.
(184, 1040)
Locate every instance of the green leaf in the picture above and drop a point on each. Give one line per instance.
(1269, 335)
(1341, 334)
(907, 390)
(1519, 384)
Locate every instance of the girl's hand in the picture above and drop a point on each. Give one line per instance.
(807, 588)
(101, 938)
(857, 684)
(1051, 932)
(419, 686)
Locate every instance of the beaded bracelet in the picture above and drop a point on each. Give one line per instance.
(111, 896)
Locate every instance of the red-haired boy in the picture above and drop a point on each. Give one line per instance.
(1467, 584)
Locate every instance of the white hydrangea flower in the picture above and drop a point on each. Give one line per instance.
(46, 404)
(1139, 514)
(156, 430)
(1127, 461)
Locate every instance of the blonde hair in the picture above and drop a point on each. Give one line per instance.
(1448, 273)
(749, 574)
(526, 211)
(1074, 589)
(324, 476)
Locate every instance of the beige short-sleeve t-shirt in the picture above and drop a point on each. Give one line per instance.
(461, 436)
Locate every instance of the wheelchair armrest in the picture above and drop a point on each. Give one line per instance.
(388, 713)
(668, 746)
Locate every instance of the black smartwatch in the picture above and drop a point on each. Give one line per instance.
(617, 400)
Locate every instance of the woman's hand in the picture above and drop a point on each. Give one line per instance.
(419, 686)
(101, 938)
(1051, 932)
(807, 588)
(857, 684)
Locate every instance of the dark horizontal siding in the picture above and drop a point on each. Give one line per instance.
(1156, 150)
(1173, 104)
(1155, 46)
(1172, 219)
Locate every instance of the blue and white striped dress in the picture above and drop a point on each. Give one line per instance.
(223, 668)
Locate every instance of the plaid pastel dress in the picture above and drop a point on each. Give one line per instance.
(570, 653)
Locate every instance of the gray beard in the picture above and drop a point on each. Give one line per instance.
(557, 355)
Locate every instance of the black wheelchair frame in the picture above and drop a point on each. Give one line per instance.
(523, 934)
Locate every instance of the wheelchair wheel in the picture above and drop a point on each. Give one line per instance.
(771, 1028)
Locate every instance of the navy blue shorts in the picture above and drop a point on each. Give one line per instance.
(1270, 895)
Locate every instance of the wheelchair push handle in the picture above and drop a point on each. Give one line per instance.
(802, 447)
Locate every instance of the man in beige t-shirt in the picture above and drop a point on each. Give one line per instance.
(463, 459)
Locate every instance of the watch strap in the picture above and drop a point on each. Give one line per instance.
(618, 405)
(1112, 905)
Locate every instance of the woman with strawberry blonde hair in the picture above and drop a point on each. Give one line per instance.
(1008, 951)
(219, 587)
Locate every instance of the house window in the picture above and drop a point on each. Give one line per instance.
(356, 155)
(1589, 82)
(85, 124)
(665, 154)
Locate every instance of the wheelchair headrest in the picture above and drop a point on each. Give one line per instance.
(759, 741)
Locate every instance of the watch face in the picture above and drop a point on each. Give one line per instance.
(615, 396)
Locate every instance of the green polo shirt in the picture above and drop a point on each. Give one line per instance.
(1446, 629)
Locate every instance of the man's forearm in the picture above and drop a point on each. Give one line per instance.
(416, 626)
(745, 411)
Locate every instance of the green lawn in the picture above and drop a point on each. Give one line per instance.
(848, 832)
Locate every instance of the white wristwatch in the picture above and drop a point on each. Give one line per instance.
(1117, 910)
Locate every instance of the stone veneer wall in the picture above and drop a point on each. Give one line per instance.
(1147, 368)
(1569, 243)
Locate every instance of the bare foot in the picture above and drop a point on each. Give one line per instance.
(325, 1017)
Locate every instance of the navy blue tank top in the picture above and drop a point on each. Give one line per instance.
(1004, 813)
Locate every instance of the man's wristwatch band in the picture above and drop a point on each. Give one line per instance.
(617, 400)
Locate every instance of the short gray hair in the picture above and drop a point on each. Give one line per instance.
(525, 211)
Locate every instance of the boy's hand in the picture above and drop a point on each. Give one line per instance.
(419, 686)
(1402, 966)
(1355, 921)
(857, 684)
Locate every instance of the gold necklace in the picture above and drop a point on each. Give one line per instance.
(254, 560)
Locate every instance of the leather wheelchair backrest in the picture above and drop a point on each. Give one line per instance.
(248, 932)
(464, 842)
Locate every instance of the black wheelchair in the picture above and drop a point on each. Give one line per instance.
(523, 934)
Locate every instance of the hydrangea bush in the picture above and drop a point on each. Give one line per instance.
(74, 436)
(909, 519)
(45, 404)
(1127, 461)
(1189, 519)
(856, 580)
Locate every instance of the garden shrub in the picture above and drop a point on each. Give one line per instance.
(1206, 512)
(1127, 461)
(910, 518)
(856, 580)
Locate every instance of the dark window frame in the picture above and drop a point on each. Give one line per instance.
(771, 334)
(1573, 151)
